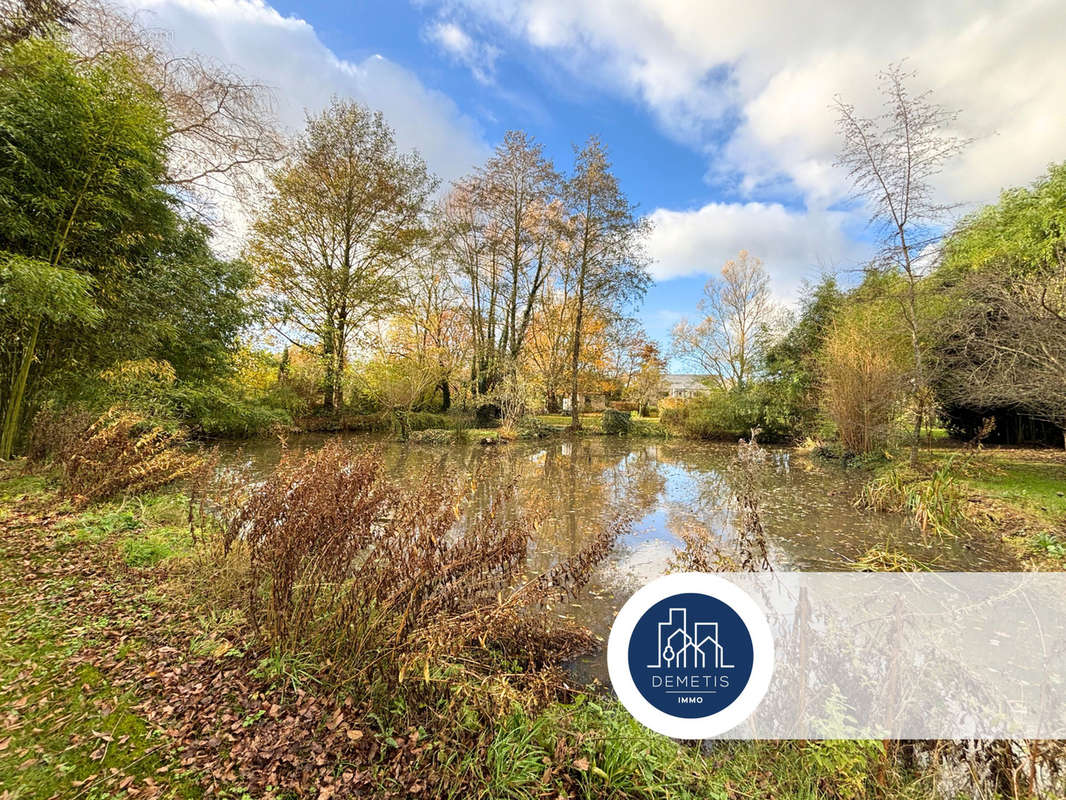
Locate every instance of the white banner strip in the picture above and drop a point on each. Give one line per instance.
(911, 656)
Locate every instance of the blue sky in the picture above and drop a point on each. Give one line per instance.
(716, 112)
(654, 169)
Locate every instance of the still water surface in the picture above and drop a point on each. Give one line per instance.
(807, 507)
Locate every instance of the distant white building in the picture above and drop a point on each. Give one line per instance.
(684, 386)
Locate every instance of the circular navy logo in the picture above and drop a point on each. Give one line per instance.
(690, 655)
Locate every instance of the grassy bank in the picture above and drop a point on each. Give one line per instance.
(1015, 494)
(460, 426)
(123, 675)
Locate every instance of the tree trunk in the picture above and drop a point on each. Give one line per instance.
(575, 360)
(342, 359)
(329, 380)
(18, 392)
(445, 395)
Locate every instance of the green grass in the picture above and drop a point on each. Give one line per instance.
(15, 486)
(95, 526)
(149, 548)
(1036, 487)
(69, 725)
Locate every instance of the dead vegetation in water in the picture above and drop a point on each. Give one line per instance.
(883, 559)
(932, 494)
(748, 551)
(381, 580)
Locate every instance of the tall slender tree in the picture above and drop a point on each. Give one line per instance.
(606, 250)
(892, 161)
(500, 227)
(334, 234)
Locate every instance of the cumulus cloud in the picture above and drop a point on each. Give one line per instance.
(478, 57)
(286, 54)
(763, 73)
(793, 245)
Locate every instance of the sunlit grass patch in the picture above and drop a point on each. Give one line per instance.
(95, 526)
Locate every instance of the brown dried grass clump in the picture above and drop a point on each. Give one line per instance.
(384, 579)
(121, 453)
(55, 432)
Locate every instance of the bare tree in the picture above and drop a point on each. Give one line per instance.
(736, 307)
(891, 161)
(26, 19)
(221, 127)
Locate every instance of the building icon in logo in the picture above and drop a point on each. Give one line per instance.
(681, 649)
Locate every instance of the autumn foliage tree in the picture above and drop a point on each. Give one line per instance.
(498, 228)
(334, 235)
(605, 247)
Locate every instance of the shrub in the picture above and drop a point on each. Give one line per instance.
(433, 436)
(864, 368)
(56, 431)
(384, 578)
(732, 414)
(623, 405)
(121, 453)
(616, 423)
(533, 428)
(487, 415)
(213, 411)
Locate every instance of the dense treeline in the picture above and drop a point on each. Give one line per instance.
(991, 316)
(962, 326)
(365, 288)
(381, 294)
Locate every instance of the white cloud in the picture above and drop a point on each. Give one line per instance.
(286, 54)
(478, 57)
(700, 65)
(793, 245)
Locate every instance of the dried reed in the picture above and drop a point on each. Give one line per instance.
(381, 578)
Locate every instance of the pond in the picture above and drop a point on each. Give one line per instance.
(807, 506)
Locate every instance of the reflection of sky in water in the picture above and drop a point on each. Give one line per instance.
(807, 507)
